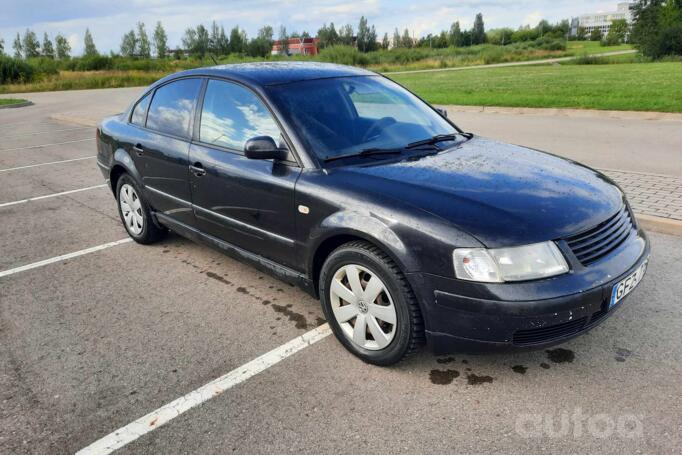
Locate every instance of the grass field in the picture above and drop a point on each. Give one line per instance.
(626, 86)
(8, 101)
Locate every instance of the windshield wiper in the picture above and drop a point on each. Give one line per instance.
(437, 138)
(366, 152)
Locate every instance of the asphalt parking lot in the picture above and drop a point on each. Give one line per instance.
(89, 344)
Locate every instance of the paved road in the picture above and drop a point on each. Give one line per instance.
(91, 343)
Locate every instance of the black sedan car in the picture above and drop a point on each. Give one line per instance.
(409, 229)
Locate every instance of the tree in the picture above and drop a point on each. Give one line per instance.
(90, 49)
(385, 42)
(213, 38)
(160, 41)
(189, 40)
(30, 44)
(478, 32)
(407, 40)
(618, 32)
(16, 45)
(129, 44)
(455, 35)
(397, 41)
(223, 43)
(62, 47)
(595, 34)
(657, 27)
(363, 35)
(346, 35)
(202, 41)
(143, 47)
(328, 35)
(261, 45)
(237, 41)
(2, 47)
(283, 39)
(581, 33)
(48, 48)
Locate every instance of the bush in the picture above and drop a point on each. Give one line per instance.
(344, 55)
(15, 71)
(44, 65)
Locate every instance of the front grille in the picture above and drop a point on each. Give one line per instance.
(595, 243)
(545, 334)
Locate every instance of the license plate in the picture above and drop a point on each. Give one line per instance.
(625, 286)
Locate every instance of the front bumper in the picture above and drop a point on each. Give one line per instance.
(476, 317)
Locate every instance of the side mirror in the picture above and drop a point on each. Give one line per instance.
(442, 112)
(264, 148)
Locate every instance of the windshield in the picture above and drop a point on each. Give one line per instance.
(346, 115)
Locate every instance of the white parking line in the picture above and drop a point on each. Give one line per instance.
(30, 133)
(46, 145)
(63, 257)
(168, 412)
(46, 164)
(46, 196)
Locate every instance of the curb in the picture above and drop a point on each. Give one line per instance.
(12, 106)
(661, 225)
(570, 113)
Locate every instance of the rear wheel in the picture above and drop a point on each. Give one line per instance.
(134, 212)
(369, 304)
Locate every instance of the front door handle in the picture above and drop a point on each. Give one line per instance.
(197, 169)
(138, 149)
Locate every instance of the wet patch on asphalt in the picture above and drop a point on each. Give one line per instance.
(560, 355)
(519, 369)
(443, 377)
(474, 379)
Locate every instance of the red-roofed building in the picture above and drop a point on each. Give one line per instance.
(297, 46)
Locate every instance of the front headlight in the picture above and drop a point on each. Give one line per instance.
(520, 263)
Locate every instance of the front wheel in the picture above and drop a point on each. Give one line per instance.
(134, 212)
(369, 304)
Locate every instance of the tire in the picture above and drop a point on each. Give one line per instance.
(138, 221)
(394, 311)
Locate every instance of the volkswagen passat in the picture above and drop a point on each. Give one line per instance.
(409, 229)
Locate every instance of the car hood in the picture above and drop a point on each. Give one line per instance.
(501, 194)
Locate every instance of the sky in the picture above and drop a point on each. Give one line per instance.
(108, 20)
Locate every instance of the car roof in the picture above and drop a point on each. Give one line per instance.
(273, 73)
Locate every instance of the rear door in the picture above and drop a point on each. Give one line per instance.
(161, 149)
(248, 203)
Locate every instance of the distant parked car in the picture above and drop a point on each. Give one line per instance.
(407, 228)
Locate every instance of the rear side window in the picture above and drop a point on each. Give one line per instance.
(171, 107)
(232, 115)
(140, 111)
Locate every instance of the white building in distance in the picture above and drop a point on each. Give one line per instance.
(601, 21)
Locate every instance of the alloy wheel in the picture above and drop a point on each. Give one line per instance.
(363, 307)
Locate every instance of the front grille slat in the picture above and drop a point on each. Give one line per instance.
(595, 243)
(599, 245)
(587, 244)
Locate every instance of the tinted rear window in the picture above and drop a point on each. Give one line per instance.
(171, 107)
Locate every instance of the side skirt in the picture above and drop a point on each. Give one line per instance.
(266, 265)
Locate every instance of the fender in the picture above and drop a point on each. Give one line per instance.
(365, 226)
(123, 159)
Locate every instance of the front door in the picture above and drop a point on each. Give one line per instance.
(248, 203)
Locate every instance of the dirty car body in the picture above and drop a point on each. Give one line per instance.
(444, 211)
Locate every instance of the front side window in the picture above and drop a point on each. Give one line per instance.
(345, 115)
(232, 115)
(171, 108)
(140, 111)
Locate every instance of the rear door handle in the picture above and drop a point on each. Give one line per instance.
(138, 149)
(197, 169)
